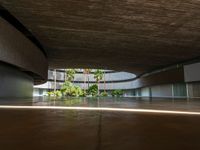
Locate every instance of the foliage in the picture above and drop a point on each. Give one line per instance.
(93, 90)
(98, 75)
(84, 93)
(104, 94)
(54, 93)
(68, 89)
(117, 93)
(70, 73)
(76, 91)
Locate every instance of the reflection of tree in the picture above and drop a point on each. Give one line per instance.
(99, 130)
(72, 101)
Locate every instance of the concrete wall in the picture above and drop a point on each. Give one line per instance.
(162, 91)
(14, 83)
(192, 72)
(192, 77)
(179, 90)
(17, 50)
(194, 90)
(145, 92)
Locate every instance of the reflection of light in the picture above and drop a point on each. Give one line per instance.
(101, 109)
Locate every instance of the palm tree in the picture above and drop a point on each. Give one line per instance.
(87, 72)
(104, 78)
(84, 72)
(98, 75)
(55, 79)
(70, 73)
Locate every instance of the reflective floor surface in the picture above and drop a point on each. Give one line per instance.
(22, 129)
(141, 103)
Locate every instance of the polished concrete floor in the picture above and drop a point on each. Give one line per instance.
(22, 129)
(181, 104)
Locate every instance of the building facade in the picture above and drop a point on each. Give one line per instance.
(187, 84)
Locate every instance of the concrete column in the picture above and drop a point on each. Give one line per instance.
(14, 83)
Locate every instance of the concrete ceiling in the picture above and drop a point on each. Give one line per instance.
(129, 35)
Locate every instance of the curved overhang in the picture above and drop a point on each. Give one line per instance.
(18, 51)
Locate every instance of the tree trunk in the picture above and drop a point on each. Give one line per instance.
(98, 87)
(88, 80)
(84, 81)
(104, 82)
(55, 75)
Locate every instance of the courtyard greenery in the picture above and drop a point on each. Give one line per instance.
(98, 75)
(117, 93)
(104, 94)
(69, 89)
(92, 90)
(56, 93)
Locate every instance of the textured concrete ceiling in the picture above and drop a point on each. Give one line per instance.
(129, 35)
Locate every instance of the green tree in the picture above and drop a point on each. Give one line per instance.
(98, 75)
(68, 89)
(93, 90)
(70, 73)
(104, 81)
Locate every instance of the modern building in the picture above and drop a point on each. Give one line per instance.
(162, 51)
(113, 80)
(150, 49)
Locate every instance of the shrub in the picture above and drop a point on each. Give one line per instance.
(117, 93)
(54, 93)
(68, 89)
(104, 94)
(93, 90)
(76, 91)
